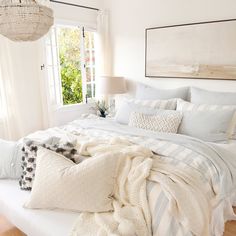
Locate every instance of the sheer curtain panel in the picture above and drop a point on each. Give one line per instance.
(103, 52)
(10, 124)
(103, 44)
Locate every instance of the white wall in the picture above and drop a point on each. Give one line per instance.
(130, 18)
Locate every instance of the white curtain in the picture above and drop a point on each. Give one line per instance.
(10, 124)
(103, 52)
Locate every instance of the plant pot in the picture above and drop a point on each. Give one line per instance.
(103, 114)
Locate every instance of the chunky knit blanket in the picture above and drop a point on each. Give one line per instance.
(131, 214)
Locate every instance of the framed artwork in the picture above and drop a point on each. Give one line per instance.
(204, 50)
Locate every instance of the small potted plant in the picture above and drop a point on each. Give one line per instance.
(102, 108)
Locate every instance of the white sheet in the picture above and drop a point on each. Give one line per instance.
(230, 146)
(32, 222)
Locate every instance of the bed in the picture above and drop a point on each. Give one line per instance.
(214, 164)
(31, 221)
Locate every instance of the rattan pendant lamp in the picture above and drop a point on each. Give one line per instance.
(24, 20)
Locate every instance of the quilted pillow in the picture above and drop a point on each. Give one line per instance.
(61, 184)
(29, 156)
(163, 121)
(142, 106)
(187, 106)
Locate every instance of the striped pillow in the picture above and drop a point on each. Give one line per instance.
(169, 104)
(142, 106)
(187, 106)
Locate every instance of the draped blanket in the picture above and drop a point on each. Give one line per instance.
(131, 215)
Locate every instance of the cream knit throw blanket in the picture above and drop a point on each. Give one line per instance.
(131, 215)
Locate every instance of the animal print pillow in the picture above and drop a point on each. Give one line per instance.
(29, 155)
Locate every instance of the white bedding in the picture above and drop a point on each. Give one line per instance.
(29, 221)
(231, 146)
(57, 223)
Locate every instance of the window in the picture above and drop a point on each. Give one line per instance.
(71, 64)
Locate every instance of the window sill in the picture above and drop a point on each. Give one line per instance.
(75, 107)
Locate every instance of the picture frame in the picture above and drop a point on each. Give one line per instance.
(200, 50)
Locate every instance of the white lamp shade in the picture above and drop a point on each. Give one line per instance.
(111, 85)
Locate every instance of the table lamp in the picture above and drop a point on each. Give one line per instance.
(108, 86)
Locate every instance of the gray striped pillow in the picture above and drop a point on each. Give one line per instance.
(169, 104)
(187, 106)
(142, 106)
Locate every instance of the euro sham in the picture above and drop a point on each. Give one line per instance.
(146, 92)
(202, 96)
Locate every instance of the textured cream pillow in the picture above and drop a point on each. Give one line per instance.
(163, 121)
(188, 106)
(84, 187)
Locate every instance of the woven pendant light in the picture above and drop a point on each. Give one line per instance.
(24, 20)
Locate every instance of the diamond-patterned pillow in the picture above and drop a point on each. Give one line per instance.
(163, 121)
(61, 184)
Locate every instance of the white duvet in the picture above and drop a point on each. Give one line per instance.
(183, 163)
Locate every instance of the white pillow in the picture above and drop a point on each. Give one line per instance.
(10, 160)
(163, 121)
(202, 96)
(210, 126)
(142, 106)
(187, 106)
(146, 92)
(84, 187)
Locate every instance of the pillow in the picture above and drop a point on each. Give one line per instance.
(187, 106)
(147, 92)
(210, 126)
(142, 106)
(10, 165)
(163, 121)
(61, 184)
(29, 156)
(201, 96)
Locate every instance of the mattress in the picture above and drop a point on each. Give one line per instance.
(32, 222)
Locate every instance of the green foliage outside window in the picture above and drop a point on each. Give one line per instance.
(69, 53)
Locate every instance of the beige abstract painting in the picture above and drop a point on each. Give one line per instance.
(200, 50)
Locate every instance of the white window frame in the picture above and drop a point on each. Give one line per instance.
(55, 93)
(91, 67)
